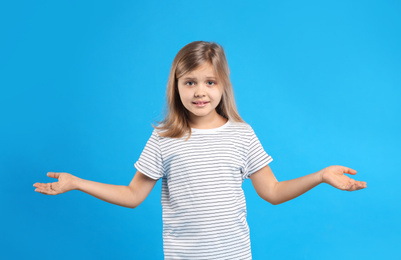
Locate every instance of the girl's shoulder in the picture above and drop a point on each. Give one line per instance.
(158, 132)
(242, 129)
(240, 126)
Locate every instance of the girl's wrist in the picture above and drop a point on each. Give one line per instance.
(320, 176)
(76, 183)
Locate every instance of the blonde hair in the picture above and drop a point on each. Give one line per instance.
(190, 57)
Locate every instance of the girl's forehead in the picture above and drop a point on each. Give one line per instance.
(205, 69)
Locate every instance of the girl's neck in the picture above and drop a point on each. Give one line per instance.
(207, 122)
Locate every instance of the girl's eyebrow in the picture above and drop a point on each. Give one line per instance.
(189, 78)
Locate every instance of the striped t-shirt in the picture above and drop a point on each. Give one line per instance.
(204, 211)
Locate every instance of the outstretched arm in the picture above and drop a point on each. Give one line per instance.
(127, 196)
(269, 189)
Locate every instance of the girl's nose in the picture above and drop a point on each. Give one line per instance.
(200, 91)
(199, 95)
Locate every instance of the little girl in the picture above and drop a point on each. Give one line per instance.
(203, 151)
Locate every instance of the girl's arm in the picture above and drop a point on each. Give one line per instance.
(127, 196)
(269, 189)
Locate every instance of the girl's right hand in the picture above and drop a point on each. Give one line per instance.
(66, 182)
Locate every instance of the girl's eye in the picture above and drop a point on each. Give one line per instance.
(190, 83)
(210, 83)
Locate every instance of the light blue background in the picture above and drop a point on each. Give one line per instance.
(81, 83)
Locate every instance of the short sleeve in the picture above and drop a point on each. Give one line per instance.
(256, 157)
(150, 161)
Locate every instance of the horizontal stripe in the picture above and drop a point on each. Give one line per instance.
(204, 208)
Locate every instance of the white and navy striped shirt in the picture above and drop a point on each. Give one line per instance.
(204, 211)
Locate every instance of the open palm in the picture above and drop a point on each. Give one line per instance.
(334, 175)
(65, 183)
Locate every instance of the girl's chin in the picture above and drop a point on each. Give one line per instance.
(204, 116)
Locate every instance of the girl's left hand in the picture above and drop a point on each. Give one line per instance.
(334, 175)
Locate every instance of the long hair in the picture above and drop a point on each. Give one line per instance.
(190, 57)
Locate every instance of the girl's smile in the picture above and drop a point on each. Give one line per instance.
(200, 103)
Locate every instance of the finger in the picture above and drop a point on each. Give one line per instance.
(53, 174)
(45, 188)
(358, 185)
(46, 192)
(39, 185)
(348, 170)
(362, 184)
(39, 190)
(42, 189)
(351, 186)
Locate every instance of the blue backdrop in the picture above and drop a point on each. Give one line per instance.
(81, 83)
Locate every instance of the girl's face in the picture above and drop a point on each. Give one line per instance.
(200, 93)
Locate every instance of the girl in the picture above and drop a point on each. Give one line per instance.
(203, 151)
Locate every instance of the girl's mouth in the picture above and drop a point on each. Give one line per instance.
(200, 103)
